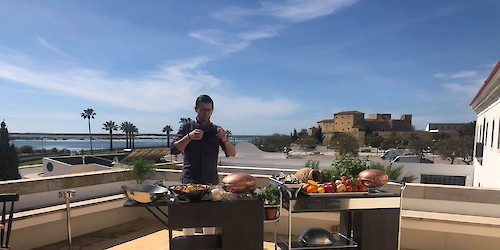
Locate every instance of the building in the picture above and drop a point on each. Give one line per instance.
(349, 121)
(354, 122)
(384, 122)
(486, 103)
(444, 127)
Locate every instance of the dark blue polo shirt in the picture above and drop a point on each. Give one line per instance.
(200, 156)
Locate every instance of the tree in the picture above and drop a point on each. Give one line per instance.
(272, 143)
(295, 136)
(394, 172)
(466, 135)
(467, 152)
(344, 144)
(229, 134)
(418, 145)
(449, 148)
(133, 130)
(184, 120)
(9, 160)
(167, 129)
(88, 114)
(309, 142)
(110, 126)
(302, 133)
(467, 129)
(393, 141)
(318, 134)
(126, 127)
(373, 140)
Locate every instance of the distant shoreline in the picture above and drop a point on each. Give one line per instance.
(79, 136)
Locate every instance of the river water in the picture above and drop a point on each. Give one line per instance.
(84, 144)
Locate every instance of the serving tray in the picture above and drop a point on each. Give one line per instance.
(334, 194)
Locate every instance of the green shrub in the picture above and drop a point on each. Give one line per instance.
(142, 169)
(314, 164)
(27, 149)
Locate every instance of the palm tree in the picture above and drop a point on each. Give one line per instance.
(110, 126)
(394, 172)
(229, 134)
(184, 120)
(133, 130)
(125, 127)
(87, 114)
(167, 129)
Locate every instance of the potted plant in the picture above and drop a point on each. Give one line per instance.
(272, 199)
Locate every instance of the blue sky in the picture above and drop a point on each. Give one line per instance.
(270, 66)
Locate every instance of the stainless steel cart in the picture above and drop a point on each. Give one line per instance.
(368, 220)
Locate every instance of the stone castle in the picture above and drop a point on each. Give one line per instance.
(354, 122)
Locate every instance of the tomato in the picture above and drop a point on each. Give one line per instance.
(329, 188)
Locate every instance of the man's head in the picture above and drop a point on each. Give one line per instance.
(204, 107)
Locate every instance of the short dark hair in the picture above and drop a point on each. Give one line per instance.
(203, 99)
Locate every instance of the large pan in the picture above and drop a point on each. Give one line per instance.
(144, 193)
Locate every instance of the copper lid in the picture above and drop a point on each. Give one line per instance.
(239, 183)
(373, 178)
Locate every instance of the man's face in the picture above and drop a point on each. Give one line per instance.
(204, 111)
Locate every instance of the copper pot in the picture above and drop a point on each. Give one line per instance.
(239, 183)
(373, 178)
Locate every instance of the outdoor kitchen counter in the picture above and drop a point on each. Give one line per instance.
(241, 222)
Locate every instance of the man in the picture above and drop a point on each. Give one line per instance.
(199, 140)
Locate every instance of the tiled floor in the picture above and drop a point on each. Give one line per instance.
(138, 234)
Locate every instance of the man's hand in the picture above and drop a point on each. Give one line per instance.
(221, 133)
(196, 134)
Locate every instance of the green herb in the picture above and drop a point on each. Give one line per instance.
(344, 166)
(271, 195)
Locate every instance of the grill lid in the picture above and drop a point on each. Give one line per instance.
(316, 236)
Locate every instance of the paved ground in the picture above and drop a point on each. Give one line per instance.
(250, 156)
(139, 234)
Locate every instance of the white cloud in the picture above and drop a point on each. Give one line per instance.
(291, 10)
(440, 75)
(469, 89)
(49, 46)
(172, 88)
(463, 74)
(459, 74)
(287, 11)
(299, 10)
(230, 42)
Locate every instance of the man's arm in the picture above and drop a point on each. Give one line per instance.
(182, 143)
(227, 146)
(181, 140)
(230, 148)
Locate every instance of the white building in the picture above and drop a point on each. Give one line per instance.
(486, 103)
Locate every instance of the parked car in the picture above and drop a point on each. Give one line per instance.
(425, 160)
(365, 150)
(411, 159)
(391, 153)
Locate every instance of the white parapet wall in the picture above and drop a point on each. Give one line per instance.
(433, 216)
